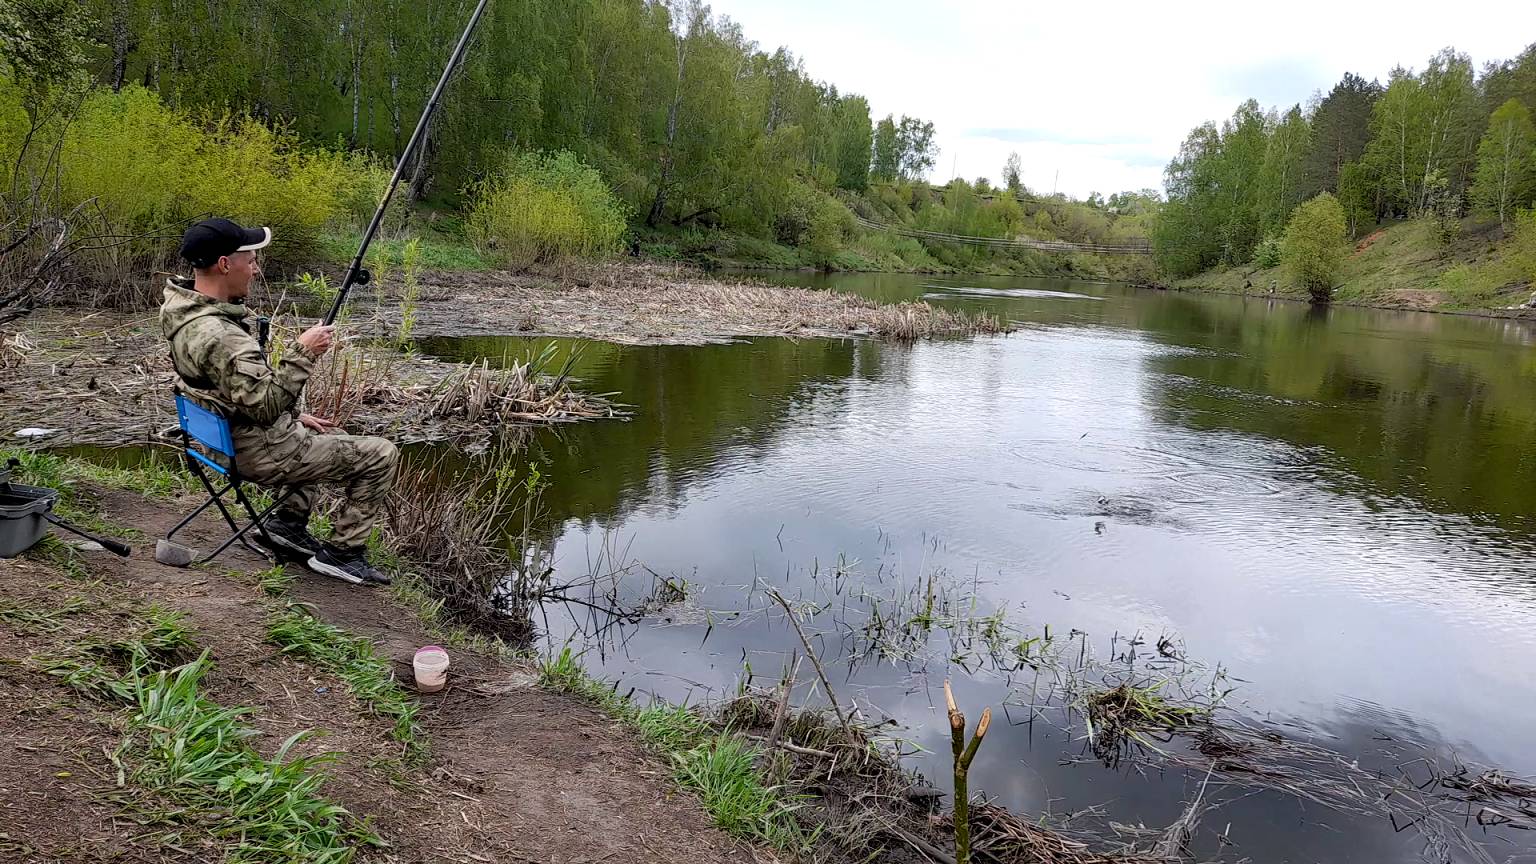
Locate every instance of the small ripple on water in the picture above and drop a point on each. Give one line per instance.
(975, 291)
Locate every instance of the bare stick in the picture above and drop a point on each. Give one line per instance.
(781, 711)
(810, 652)
(964, 754)
(794, 748)
(921, 845)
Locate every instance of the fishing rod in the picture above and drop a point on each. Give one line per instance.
(356, 275)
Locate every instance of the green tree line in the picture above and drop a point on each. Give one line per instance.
(1441, 141)
(687, 118)
(716, 148)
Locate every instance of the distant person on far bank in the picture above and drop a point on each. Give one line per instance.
(222, 367)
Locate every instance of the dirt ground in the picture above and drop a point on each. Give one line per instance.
(515, 773)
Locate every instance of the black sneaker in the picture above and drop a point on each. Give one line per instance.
(289, 537)
(348, 565)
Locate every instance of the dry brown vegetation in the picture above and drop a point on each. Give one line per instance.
(635, 303)
(105, 379)
(868, 808)
(468, 536)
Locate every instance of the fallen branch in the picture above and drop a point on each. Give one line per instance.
(781, 709)
(920, 844)
(842, 719)
(793, 748)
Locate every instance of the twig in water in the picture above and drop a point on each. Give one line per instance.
(920, 844)
(842, 718)
(781, 710)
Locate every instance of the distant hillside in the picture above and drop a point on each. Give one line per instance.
(1404, 266)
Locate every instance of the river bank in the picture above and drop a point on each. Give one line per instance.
(243, 709)
(1142, 462)
(296, 675)
(1483, 272)
(123, 680)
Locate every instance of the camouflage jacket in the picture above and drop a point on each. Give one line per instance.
(222, 367)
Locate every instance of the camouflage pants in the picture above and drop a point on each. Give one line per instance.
(361, 468)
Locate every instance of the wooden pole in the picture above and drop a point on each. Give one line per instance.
(964, 754)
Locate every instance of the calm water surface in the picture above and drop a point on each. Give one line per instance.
(1334, 506)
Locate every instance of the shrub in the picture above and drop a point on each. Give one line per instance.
(763, 253)
(542, 207)
(1267, 253)
(1314, 245)
(142, 169)
(886, 251)
(823, 239)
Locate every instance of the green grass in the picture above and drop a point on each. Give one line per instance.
(153, 478)
(563, 673)
(96, 665)
(165, 632)
(1406, 264)
(439, 251)
(720, 767)
(161, 480)
(40, 620)
(1502, 276)
(352, 659)
(410, 591)
(67, 558)
(723, 771)
(194, 752)
(274, 581)
(668, 728)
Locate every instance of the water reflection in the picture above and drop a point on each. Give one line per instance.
(1334, 504)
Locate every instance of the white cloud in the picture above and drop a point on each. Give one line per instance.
(1105, 92)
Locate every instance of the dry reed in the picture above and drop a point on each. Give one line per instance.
(652, 303)
(104, 379)
(459, 532)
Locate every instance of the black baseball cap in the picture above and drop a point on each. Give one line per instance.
(212, 239)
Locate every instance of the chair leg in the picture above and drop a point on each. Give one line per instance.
(213, 496)
(256, 520)
(217, 500)
(259, 521)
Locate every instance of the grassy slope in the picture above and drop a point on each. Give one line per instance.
(1402, 267)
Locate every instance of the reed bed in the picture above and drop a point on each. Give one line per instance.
(1135, 713)
(653, 303)
(15, 348)
(469, 536)
(414, 399)
(105, 380)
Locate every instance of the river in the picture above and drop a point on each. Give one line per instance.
(1332, 506)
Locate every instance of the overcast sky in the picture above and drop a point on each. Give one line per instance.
(1103, 91)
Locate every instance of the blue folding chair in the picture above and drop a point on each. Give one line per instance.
(206, 442)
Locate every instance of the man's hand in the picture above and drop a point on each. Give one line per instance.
(319, 424)
(317, 339)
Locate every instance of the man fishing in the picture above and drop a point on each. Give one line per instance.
(223, 367)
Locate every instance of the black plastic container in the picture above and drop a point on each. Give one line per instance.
(22, 515)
